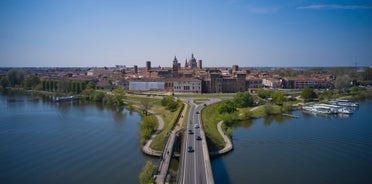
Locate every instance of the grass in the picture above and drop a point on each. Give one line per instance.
(186, 118)
(169, 120)
(262, 112)
(210, 119)
(199, 101)
(168, 117)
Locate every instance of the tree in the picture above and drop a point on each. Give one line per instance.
(4, 82)
(226, 107)
(367, 75)
(147, 172)
(243, 99)
(342, 82)
(147, 126)
(170, 103)
(118, 96)
(308, 93)
(278, 97)
(262, 93)
(31, 82)
(146, 105)
(15, 77)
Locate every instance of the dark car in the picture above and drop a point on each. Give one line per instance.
(198, 138)
(189, 149)
(205, 105)
(190, 132)
(197, 112)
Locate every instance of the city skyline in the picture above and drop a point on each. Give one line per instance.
(221, 33)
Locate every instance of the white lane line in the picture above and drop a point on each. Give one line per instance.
(203, 151)
(185, 152)
(194, 148)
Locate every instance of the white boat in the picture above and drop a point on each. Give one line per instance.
(328, 109)
(322, 109)
(344, 103)
(345, 111)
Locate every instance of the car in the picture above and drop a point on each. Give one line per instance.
(205, 105)
(197, 112)
(189, 149)
(190, 132)
(196, 126)
(198, 138)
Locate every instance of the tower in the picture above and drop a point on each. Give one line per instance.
(200, 64)
(175, 67)
(148, 66)
(135, 69)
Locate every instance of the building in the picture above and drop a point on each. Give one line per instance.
(218, 83)
(191, 63)
(187, 85)
(301, 82)
(272, 82)
(148, 66)
(146, 86)
(253, 82)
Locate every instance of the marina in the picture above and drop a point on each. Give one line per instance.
(334, 107)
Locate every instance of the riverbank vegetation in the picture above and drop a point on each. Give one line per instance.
(146, 176)
(171, 119)
(265, 104)
(147, 127)
(169, 113)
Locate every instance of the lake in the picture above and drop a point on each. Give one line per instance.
(309, 149)
(70, 142)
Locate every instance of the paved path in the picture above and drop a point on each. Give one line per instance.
(228, 144)
(146, 148)
(167, 154)
(254, 108)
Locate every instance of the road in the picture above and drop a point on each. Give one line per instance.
(196, 164)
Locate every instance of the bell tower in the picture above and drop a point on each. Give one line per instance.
(175, 67)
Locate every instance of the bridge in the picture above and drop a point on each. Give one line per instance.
(195, 165)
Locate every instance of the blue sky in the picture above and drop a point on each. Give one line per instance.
(63, 33)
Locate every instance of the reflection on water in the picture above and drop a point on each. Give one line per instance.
(71, 142)
(308, 149)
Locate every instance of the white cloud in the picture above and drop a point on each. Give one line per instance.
(335, 7)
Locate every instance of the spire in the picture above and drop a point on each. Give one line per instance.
(175, 59)
(186, 63)
(192, 55)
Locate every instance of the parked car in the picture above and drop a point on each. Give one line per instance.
(190, 132)
(196, 126)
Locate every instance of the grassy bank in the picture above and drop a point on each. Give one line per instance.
(211, 117)
(170, 119)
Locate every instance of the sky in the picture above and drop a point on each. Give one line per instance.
(249, 33)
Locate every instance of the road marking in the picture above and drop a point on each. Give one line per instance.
(194, 151)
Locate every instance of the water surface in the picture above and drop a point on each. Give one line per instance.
(43, 142)
(310, 149)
